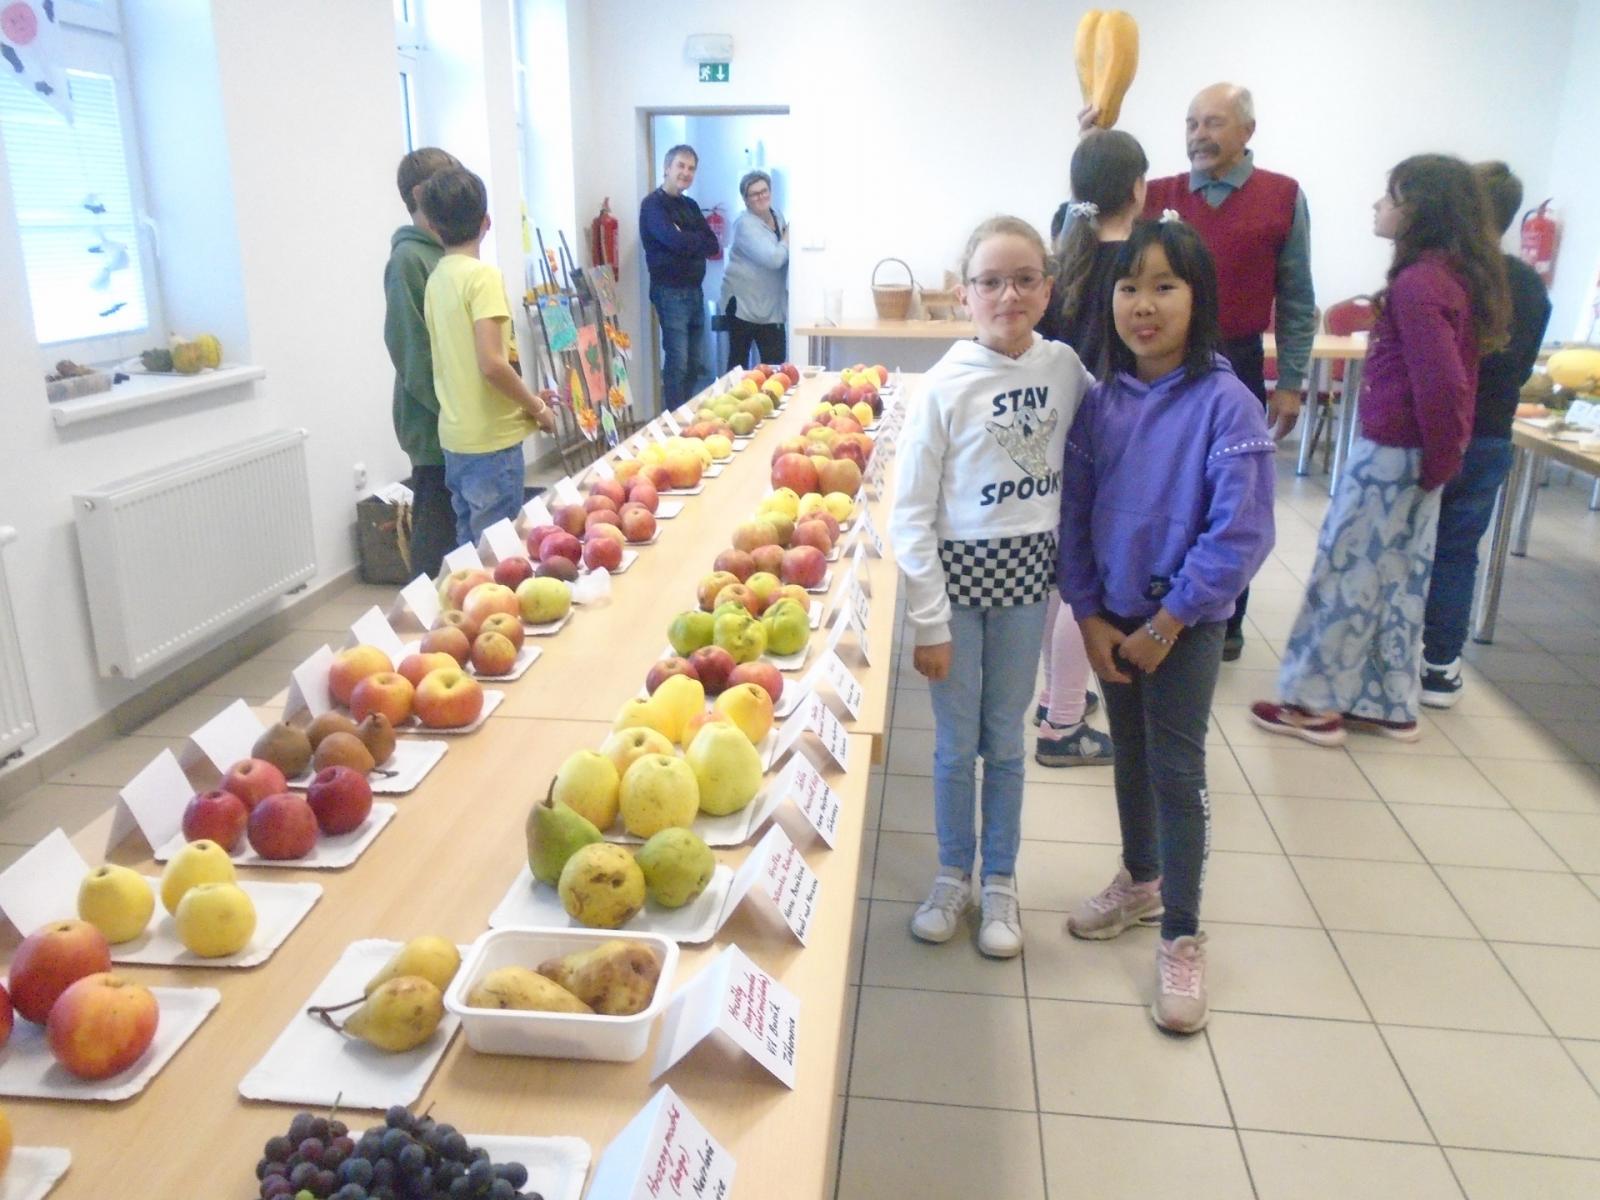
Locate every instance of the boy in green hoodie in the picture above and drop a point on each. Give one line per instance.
(414, 251)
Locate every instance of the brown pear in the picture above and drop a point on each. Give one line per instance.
(378, 736)
(342, 750)
(285, 747)
(329, 722)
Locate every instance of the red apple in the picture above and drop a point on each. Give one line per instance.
(812, 533)
(840, 475)
(458, 619)
(449, 640)
(763, 674)
(102, 1025)
(600, 516)
(638, 523)
(351, 666)
(605, 530)
(706, 593)
(768, 558)
(793, 372)
(796, 472)
(751, 534)
(599, 501)
(537, 535)
(660, 478)
(683, 468)
(611, 488)
(790, 445)
(713, 665)
(838, 394)
(493, 654)
(569, 517)
(50, 960)
(6, 1017)
(737, 563)
(842, 426)
(642, 491)
(509, 572)
(448, 700)
(826, 519)
(490, 598)
(282, 827)
(790, 591)
(216, 816)
(738, 593)
(340, 799)
(563, 545)
(250, 779)
(662, 671)
(416, 666)
(805, 565)
(602, 554)
(387, 692)
(467, 580)
(558, 567)
(506, 626)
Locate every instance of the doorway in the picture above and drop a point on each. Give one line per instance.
(729, 142)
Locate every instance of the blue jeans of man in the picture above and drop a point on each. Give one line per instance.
(1465, 511)
(483, 488)
(981, 708)
(682, 313)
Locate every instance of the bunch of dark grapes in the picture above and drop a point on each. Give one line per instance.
(406, 1158)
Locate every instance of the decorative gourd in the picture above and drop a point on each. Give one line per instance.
(185, 357)
(1083, 53)
(1106, 50)
(1577, 369)
(210, 350)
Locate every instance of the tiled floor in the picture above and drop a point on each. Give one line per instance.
(1404, 940)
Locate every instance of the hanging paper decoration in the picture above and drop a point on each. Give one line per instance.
(594, 370)
(588, 419)
(621, 394)
(30, 45)
(608, 424)
(558, 326)
(605, 290)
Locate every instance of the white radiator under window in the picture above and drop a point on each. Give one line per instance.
(17, 722)
(173, 556)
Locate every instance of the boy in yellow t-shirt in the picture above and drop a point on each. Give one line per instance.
(485, 409)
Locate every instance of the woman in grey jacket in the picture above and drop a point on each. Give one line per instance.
(755, 285)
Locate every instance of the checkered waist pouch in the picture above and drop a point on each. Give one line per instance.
(999, 572)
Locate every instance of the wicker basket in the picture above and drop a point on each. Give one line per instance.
(893, 302)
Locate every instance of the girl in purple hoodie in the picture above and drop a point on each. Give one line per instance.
(1166, 513)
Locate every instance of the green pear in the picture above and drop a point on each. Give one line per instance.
(677, 865)
(555, 834)
(788, 627)
(726, 766)
(601, 886)
(688, 632)
(741, 635)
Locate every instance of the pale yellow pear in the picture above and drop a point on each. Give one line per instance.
(429, 957)
(198, 862)
(588, 783)
(677, 699)
(726, 767)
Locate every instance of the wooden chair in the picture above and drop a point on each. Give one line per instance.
(1347, 317)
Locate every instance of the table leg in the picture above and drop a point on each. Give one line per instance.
(1308, 417)
(1526, 498)
(1492, 572)
(1594, 497)
(1344, 435)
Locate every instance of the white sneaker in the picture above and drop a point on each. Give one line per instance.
(1000, 934)
(947, 902)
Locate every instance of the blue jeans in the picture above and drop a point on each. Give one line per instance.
(1464, 513)
(682, 312)
(981, 708)
(483, 488)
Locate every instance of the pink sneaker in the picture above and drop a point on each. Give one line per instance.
(1122, 904)
(1181, 985)
(1295, 721)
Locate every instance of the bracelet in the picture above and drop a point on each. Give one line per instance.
(1160, 638)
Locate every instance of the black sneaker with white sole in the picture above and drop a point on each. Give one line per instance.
(1090, 703)
(1441, 686)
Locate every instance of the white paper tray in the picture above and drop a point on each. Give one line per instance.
(557, 1166)
(526, 657)
(314, 1065)
(713, 470)
(735, 829)
(822, 588)
(492, 699)
(34, 1170)
(694, 491)
(28, 1069)
(529, 903)
(280, 907)
(329, 854)
(548, 628)
(790, 662)
(629, 557)
(814, 615)
(411, 761)
(667, 509)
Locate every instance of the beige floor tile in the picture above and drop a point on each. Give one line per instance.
(1544, 786)
(1237, 823)
(1562, 982)
(1288, 770)
(894, 1149)
(297, 645)
(1087, 1158)
(1588, 1055)
(1575, 836)
(1481, 698)
(910, 753)
(1243, 686)
(1501, 737)
(1071, 812)
(336, 616)
(1298, 1076)
(1445, 983)
(1497, 1091)
(943, 1048)
(1440, 781)
(1057, 876)
(1381, 897)
(184, 717)
(1477, 837)
(867, 868)
(1339, 829)
(896, 959)
(65, 806)
(1254, 889)
(908, 804)
(1059, 966)
(1109, 1060)
(913, 709)
(1288, 1166)
(255, 679)
(1526, 906)
(1432, 743)
(10, 852)
(1489, 1176)
(116, 762)
(905, 866)
(1034, 771)
(1279, 971)
(1223, 773)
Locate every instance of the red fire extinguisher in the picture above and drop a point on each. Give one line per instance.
(1540, 238)
(603, 239)
(718, 221)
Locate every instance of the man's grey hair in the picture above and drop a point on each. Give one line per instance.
(1244, 104)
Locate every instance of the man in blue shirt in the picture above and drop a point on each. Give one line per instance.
(677, 241)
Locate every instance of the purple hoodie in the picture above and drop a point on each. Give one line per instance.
(1166, 497)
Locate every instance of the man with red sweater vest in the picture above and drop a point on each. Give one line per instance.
(1256, 225)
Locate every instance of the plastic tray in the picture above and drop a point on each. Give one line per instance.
(528, 902)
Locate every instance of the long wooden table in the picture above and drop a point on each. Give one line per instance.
(446, 860)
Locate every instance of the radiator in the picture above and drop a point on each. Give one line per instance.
(17, 723)
(174, 556)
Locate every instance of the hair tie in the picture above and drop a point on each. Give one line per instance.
(1170, 214)
(1083, 208)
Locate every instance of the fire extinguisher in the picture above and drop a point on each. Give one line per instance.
(603, 239)
(1540, 238)
(719, 226)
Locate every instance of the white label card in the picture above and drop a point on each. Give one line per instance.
(739, 1001)
(464, 558)
(664, 1153)
(624, 452)
(156, 797)
(228, 736)
(803, 786)
(502, 542)
(421, 599)
(869, 531)
(31, 888)
(538, 512)
(372, 628)
(655, 433)
(814, 715)
(308, 686)
(843, 682)
(567, 492)
(670, 420)
(858, 567)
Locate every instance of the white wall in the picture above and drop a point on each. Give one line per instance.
(1575, 182)
(913, 119)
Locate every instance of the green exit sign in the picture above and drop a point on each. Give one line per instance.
(713, 72)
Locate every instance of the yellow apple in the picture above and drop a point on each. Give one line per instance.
(627, 746)
(658, 792)
(215, 919)
(677, 699)
(118, 901)
(587, 783)
(197, 863)
(749, 707)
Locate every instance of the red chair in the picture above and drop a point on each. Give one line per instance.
(1355, 315)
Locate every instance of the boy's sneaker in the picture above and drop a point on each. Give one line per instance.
(1181, 985)
(1122, 904)
(1090, 703)
(947, 902)
(1295, 721)
(1400, 731)
(1079, 746)
(1041, 713)
(1000, 934)
(1232, 647)
(1441, 686)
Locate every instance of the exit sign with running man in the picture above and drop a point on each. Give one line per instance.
(713, 72)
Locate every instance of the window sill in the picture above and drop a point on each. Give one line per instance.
(145, 391)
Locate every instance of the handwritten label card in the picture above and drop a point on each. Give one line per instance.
(566, 492)
(537, 512)
(601, 469)
(869, 531)
(655, 433)
(420, 598)
(664, 1153)
(225, 738)
(777, 877)
(842, 682)
(500, 542)
(464, 558)
(734, 999)
(308, 686)
(815, 716)
(372, 628)
(804, 789)
(624, 451)
(670, 420)
(858, 567)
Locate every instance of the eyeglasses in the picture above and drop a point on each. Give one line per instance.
(991, 286)
(755, 195)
